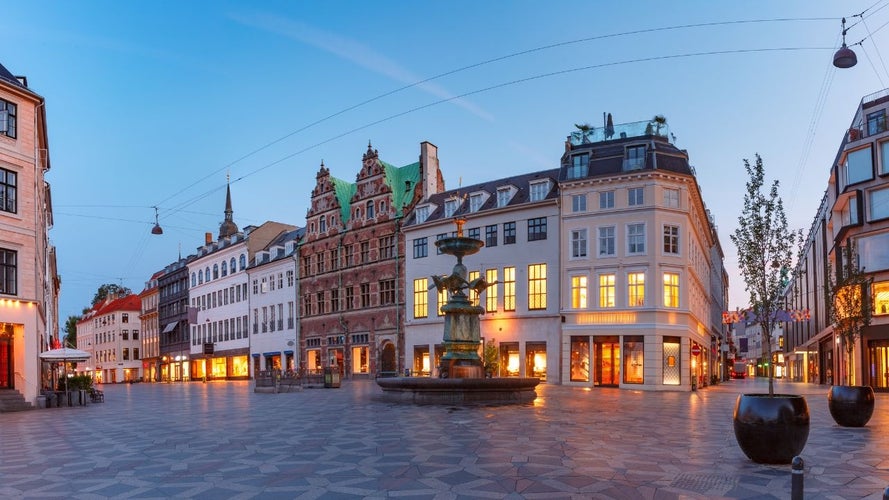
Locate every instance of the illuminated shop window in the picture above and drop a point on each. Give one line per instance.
(634, 357)
(580, 359)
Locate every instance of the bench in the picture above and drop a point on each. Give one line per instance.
(97, 396)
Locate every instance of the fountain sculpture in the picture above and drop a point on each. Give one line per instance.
(461, 371)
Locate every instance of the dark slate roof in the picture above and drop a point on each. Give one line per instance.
(296, 235)
(8, 77)
(606, 157)
(522, 195)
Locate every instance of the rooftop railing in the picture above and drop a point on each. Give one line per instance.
(621, 131)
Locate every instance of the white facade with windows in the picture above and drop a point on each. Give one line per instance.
(518, 219)
(636, 265)
(110, 331)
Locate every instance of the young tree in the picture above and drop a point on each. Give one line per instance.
(850, 304)
(110, 289)
(765, 250)
(70, 339)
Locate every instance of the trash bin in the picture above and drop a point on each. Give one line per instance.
(331, 377)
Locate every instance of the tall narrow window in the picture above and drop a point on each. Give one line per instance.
(8, 114)
(578, 292)
(473, 295)
(508, 233)
(8, 271)
(8, 190)
(491, 291)
(421, 298)
(606, 199)
(636, 239)
(671, 198)
(509, 289)
(671, 290)
(636, 289)
(671, 240)
(365, 295)
(420, 248)
(578, 243)
(387, 246)
(537, 286)
(606, 241)
(370, 209)
(387, 292)
(606, 290)
(442, 300)
(491, 236)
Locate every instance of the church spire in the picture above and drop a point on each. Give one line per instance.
(228, 226)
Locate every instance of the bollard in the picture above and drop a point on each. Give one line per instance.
(796, 479)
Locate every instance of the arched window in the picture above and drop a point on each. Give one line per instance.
(243, 262)
(322, 224)
(233, 265)
(207, 274)
(370, 209)
(194, 279)
(224, 268)
(215, 271)
(358, 213)
(200, 277)
(382, 209)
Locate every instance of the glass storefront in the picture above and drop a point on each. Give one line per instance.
(421, 361)
(218, 368)
(360, 359)
(634, 356)
(510, 363)
(878, 368)
(535, 359)
(580, 359)
(672, 367)
(313, 360)
(607, 358)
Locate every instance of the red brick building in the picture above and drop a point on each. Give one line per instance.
(351, 268)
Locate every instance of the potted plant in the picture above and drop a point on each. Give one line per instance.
(769, 428)
(491, 358)
(851, 308)
(660, 121)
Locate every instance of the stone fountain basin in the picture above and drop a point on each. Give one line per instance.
(423, 390)
(459, 245)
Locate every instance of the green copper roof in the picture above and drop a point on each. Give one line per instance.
(402, 181)
(344, 193)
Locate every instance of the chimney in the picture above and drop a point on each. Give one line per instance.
(429, 171)
(208, 238)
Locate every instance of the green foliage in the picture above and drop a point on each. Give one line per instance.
(491, 356)
(850, 304)
(765, 247)
(110, 289)
(70, 339)
(76, 382)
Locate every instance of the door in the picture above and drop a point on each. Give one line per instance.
(878, 364)
(6, 368)
(607, 354)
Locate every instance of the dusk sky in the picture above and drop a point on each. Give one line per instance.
(153, 103)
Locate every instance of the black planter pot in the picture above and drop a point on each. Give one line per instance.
(851, 406)
(771, 430)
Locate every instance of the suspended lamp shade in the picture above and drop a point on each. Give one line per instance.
(845, 58)
(157, 229)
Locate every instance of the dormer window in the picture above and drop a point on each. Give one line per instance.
(579, 167)
(635, 158)
(539, 190)
(422, 213)
(504, 194)
(450, 207)
(476, 201)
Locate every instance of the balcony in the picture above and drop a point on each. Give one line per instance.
(621, 131)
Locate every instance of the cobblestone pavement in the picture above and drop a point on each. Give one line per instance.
(222, 440)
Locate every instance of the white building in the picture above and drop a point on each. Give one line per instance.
(636, 257)
(518, 219)
(274, 322)
(110, 332)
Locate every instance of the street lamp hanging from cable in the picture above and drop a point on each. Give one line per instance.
(157, 227)
(845, 57)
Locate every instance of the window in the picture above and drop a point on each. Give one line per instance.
(319, 303)
(509, 289)
(578, 292)
(539, 190)
(671, 290)
(320, 260)
(474, 233)
(370, 209)
(350, 253)
(350, 298)
(671, 240)
(578, 203)
(473, 295)
(442, 300)
(135, 353)
(243, 263)
(635, 196)
(8, 267)
(290, 278)
(224, 268)
(126, 353)
(508, 233)
(322, 224)
(503, 196)
(233, 265)
(579, 166)
(475, 202)
(635, 239)
(606, 241)
(8, 189)
(878, 203)
(606, 290)
(365, 252)
(536, 286)
(450, 207)
(858, 166)
(881, 297)
(636, 289)
(671, 198)
(491, 291)
(194, 279)
(536, 229)
(421, 247)
(387, 247)
(421, 298)
(876, 122)
(125, 318)
(135, 334)
(491, 236)
(422, 213)
(606, 199)
(365, 295)
(634, 357)
(124, 335)
(884, 158)
(439, 237)
(578, 243)
(334, 300)
(387, 292)
(635, 158)
(8, 114)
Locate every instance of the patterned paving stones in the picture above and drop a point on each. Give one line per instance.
(221, 440)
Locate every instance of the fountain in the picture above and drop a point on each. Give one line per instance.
(461, 371)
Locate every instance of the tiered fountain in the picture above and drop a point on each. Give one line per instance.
(461, 372)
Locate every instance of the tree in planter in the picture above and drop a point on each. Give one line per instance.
(765, 251)
(851, 306)
(770, 429)
(491, 357)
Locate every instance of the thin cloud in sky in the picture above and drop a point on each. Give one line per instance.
(353, 51)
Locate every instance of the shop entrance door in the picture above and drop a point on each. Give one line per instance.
(607, 354)
(6, 378)
(878, 364)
